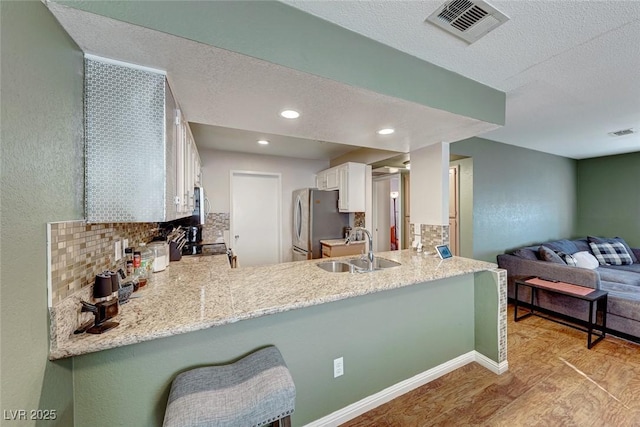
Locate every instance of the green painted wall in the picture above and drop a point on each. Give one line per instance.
(278, 33)
(42, 181)
(384, 338)
(486, 306)
(520, 196)
(609, 198)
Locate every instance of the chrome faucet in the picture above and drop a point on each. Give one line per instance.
(352, 235)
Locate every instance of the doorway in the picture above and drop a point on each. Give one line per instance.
(387, 223)
(256, 217)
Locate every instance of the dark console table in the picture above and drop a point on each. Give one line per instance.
(594, 327)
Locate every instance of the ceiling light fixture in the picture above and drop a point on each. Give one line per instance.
(290, 114)
(263, 142)
(393, 170)
(386, 131)
(407, 165)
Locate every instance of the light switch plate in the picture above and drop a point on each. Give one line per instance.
(118, 250)
(338, 367)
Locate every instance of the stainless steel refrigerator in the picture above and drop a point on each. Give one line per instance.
(315, 217)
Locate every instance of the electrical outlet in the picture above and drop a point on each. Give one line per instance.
(118, 250)
(338, 367)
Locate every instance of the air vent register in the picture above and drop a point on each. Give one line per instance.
(468, 20)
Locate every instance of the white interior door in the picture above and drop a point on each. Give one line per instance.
(381, 215)
(256, 217)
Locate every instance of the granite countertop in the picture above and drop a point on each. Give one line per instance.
(202, 292)
(340, 242)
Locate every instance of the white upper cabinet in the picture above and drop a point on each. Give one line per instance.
(352, 181)
(188, 168)
(133, 146)
(328, 179)
(349, 179)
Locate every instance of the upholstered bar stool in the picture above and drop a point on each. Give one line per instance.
(255, 391)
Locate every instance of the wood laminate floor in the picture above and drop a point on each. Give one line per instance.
(553, 380)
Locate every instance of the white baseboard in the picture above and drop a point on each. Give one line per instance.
(495, 367)
(368, 403)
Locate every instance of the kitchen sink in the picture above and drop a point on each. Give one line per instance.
(336, 267)
(356, 265)
(378, 263)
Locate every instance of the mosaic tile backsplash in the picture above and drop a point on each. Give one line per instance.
(358, 219)
(80, 250)
(431, 235)
(215, 225)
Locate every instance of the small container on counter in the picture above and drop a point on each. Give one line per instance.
(160, 255)
(128, 254)
(144, 269)
(130, 268)
(137, 257)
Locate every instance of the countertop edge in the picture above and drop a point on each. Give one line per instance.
(77, 347)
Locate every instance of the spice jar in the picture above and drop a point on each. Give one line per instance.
(137, 258)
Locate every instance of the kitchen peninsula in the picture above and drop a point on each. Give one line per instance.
(389, 325)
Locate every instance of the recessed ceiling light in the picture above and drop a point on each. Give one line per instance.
(386, 131)
(263, 142)
(290, 114)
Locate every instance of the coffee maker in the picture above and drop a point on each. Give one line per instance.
(194, 240)
(105, 287)
(198, 219)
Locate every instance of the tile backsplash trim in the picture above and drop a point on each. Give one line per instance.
(78, 251)
(215, 225)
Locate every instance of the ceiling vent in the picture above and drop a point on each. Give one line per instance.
(622, 132)
(466, 19)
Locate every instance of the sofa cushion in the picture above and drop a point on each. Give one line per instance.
(584, 259)
(635, 268)
(547, 254)
(593, 239)
(582, 245)
(616, 275)
(564, 245)
(526, 253)
(611, 253)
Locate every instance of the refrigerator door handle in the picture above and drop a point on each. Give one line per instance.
(299, 254)
(298, 218)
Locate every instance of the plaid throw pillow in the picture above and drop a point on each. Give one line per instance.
(611, 253)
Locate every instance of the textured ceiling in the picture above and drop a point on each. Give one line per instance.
(217, 88)
(571, 69)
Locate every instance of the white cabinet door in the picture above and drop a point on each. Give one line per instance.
(333, 178)
(187, 167)
(180, 150)
(343, 189)
(321, 180)
(351, 187)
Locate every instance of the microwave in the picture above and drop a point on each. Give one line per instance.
(201, 206)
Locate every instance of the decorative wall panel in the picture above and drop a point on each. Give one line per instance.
(125, 149)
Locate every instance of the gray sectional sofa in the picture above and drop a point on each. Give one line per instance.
(549, 260)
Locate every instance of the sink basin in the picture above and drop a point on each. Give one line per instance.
(336, 267)
(378, 263)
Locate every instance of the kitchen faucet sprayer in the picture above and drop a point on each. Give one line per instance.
(351, 236)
